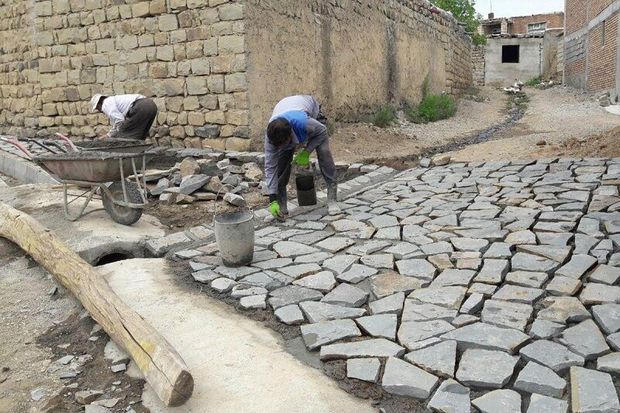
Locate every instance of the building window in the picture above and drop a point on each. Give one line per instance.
(536, 27)
(510, 54)
(603, 33)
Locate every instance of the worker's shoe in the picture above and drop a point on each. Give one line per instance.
(332, 200)
(283, 201)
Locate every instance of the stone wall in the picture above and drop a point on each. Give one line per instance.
(478, 64)
(216, 67)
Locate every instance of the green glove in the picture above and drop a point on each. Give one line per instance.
(274, 208)
(303, 158)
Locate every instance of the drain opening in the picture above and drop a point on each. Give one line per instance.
(113, 257)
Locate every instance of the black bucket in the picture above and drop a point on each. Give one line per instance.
(306, 192)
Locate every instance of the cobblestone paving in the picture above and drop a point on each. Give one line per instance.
(498, 278)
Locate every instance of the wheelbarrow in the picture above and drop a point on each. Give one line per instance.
(115, 175)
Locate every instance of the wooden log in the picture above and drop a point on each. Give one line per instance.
(162, 366)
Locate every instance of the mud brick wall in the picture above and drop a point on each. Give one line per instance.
(215, 68)
(591, 49)
(478, 64)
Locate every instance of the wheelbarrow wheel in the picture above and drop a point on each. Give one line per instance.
(121, 214)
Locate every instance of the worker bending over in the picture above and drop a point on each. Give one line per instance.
(131, 115)
(293, 125)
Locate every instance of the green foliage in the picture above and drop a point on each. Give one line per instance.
(479, 39)
(431, 109)
(463, 10)
(533, 82)
(384, 117)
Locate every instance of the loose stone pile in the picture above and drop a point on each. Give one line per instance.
(500, 277)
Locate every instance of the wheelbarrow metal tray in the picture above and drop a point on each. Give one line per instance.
(114, 145)
(95, 167)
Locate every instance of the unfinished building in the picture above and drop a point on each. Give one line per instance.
(216, 68)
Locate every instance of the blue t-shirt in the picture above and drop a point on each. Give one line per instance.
(298, 120)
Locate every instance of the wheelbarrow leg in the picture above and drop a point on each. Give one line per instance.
(68, 216)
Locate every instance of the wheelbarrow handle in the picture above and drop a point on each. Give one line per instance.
(13, 141)
(68, 141)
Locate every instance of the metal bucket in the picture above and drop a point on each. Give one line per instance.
(306, 192)
(234, 235)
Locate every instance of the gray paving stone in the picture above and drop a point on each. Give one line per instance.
(369, 247)
(379, 261)
(300, 270)
(246, 290)
(453, 277)
(595, 293)
(554, 238)
(441, 261)
(160, 246)
(528, 262)
(563, 286)
(505, 401)
(340, 263)
(438, 359)
(262, 279)
(205, 276)
(450, 297)
(493, 271)
(521, 237)
(485, 289)
(527, 278)
(545, 329)
(609, 363)
(223, 284)
(464, 319)
(364, 369)
(317, 334)
(577, 266)
(607, 317)
(418, 268)
(498, 250)
(288, 249)
(335, 244)
(411, 332)
(451, 397)
(473, 304)
(605, 274)
(317, 257)
(310, 238)
(391, 282)
(292, 294)
(382, 325)
(552, 252)
(590, 227)
(323, 281)
(506, 314)
(585, 339)
(535, 378)
(563, 310)
(383, 221)
(614, 341)
(416, 311)
(273, 264)
(392, 304)
(290, 315)
(518, 294)
(257, 301)
(486, 368)
(554, 226)
(235, 273)
(584, 243)
(403, 250)
(551, 354)
(435, 248)
(403, 379)
(487, 336)
(316, 311)
(592, 391)
(346, 295)
(376, 347)
(544, 404)
(469, 244)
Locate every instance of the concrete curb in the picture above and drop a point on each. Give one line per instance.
(23, 170)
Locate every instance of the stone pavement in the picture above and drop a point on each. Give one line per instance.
(500, 278)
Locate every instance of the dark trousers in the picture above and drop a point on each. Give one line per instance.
(138, 120)
(326, 165)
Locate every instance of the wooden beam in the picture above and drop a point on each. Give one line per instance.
(162, 366)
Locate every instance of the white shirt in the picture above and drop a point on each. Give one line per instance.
(116, 107)
(303, 103)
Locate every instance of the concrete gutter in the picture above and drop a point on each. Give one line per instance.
(23, 170)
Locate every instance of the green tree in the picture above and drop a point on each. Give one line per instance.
(463, 10)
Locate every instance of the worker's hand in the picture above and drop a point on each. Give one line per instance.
(274, 208)
(302, 159)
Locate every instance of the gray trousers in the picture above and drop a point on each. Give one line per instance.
(138, 121)
(326, 165)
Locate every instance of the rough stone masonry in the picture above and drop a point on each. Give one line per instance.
(216, 67)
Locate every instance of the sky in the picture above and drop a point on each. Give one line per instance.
(510, 8)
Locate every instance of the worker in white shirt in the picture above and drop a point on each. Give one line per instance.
(131, 115)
